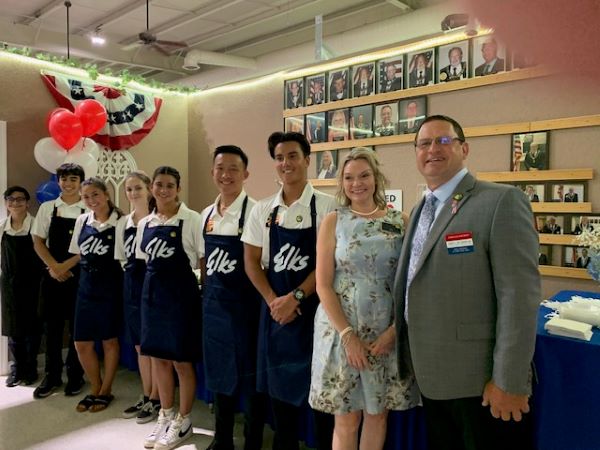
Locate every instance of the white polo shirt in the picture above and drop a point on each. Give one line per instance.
(6, 227)
(296, 216)
(227, 224)
(90, 219)
(41, 225)
(191, 233)
(126, 224)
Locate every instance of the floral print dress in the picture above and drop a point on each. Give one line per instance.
(366, 256)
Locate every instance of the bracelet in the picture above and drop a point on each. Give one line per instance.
(346, 339)
(345, 331)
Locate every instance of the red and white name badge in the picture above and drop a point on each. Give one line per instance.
(459, 243)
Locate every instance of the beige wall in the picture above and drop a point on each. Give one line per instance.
(247, 114)
(25, 101)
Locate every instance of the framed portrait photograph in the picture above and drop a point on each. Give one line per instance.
(386, 119)
(568, 193)
(316, 128)
(421, 68)
(580, 224)
(338, 84)
(295, 124)
(534, 192)
(315, 89)
(577, 257)
(327, 164)
(453, 62)
(529, 151)
(550, 224)
(363, 80)
(390, 74)
(489, 56)
(361, 122)
(545, 255)
(337, 125)
(294, 93)
(412, 113)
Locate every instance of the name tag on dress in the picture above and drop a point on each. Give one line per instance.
(459, 243)
(390, 228)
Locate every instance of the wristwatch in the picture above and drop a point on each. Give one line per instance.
(299, 294)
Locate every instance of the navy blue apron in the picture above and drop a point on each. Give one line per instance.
(171, 301)
(285, 351)
(231, 307)
(58, 298)
(133, 280)
(21, 271)
(98, 310)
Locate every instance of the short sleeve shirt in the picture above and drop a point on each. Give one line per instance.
(296, 216)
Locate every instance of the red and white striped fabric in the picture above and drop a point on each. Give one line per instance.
(131, 115)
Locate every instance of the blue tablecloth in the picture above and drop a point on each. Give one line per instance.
(566, 401)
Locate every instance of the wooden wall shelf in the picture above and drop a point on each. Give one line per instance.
(565, 272)
(327, 182)
(557, 239)
(538, 175)
(563, 208)
(503, 77)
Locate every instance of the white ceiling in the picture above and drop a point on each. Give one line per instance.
(241, 28)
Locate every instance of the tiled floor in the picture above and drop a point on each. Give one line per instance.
(54, 424)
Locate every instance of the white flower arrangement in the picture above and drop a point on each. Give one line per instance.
(591, 239)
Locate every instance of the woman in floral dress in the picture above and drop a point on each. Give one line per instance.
(354, 367)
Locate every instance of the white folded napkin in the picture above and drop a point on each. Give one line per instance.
(569, 328)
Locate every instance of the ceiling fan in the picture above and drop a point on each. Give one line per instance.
(147, 39)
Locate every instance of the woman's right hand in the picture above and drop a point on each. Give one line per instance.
(356, 352)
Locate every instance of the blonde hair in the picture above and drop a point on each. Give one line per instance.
(380, 180)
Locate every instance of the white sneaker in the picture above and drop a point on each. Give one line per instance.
(159, 429)
(179, 430)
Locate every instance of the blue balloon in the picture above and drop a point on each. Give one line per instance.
(48, 190)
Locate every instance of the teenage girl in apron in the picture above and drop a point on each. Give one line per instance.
(137, 190)
(99, 304)
(169, 239)
(20, 274)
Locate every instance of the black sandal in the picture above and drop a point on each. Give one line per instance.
(101, 402)
(86, 403)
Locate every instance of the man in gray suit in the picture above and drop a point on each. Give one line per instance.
(467, 291)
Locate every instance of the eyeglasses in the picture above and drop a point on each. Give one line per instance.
(425, 144)
(15, 199)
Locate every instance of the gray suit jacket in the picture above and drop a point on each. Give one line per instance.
(471, 316)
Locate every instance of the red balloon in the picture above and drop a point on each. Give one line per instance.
(65, 128)
(92, 115)
(51, 113)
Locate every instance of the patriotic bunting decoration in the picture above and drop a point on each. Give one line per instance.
(131, 115)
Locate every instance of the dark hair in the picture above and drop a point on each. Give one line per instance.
(457, 128)
(67, 169)
(278, 137)
(455, 48)
(233, 150)
(167, 170)
(11, 190)
(100, 184)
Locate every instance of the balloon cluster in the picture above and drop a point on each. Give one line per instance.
(69, 143)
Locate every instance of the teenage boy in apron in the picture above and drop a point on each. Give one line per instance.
(281, 237)
(20, 272)
(52, 231)
(231, 305)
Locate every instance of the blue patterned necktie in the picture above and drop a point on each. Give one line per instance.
(419, 238)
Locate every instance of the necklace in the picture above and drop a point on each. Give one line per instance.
(365, 214)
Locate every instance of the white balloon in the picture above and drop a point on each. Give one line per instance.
(49, 154)
(90, 146)
(85, 159)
